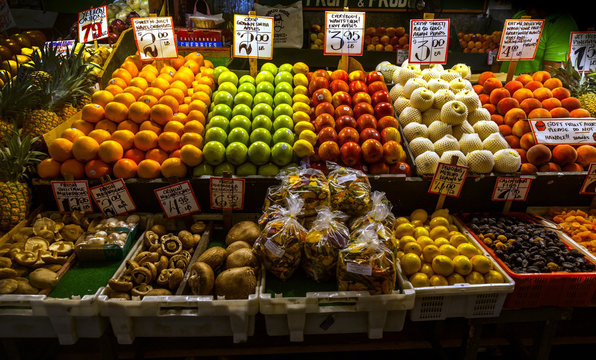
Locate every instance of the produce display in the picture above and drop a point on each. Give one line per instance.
(120, 13)
(576, 223)
(479, 43)
(375, 38)
(16, 49)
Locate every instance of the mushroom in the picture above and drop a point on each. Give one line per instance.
(53, 258)
(171, 245)
(187, 238)
(179, 262)
(72, 232)
(5, 262)
(62, 248)
(158, 292)
(151, 266)
(43, 223)
(8, 286)
(118, 295)
(150, 238)
(159, 229)
(133, 219)
(146, 256)
(141, 290)
(141, 275)
(24, 287)
(26, 258)
(201, 278)
(22, 234)
(7, 273)
(198, 227)
(36, 243)
(120, 285)
(162, 263)
(43, 278)
(170, 278)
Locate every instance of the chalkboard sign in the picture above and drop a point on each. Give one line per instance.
(460, 6)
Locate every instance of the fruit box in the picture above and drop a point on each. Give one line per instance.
(189, 37)
(545, 289)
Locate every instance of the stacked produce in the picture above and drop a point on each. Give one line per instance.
(479, 43)
(578, 224)
(530, 96)
(375, 38)
(16, 50)
(120, 13)
(441, 117)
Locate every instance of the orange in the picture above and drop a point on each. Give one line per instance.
(135, 60)
(188, 72)
(135, 91)
(160, 83)
(145, 140)
(195, 56)
(107, 125)
(208, 64)
(124, 137)
(125, 168)
(167, 69)
(203, 96)
(124, 98)
(150, 68)
(102, 97)
(168, 141)
(203, 87)
(139, 82)
(174, 126)
(60, 149)
(110, 151)
(183, 108)
(188, 99)
(154, 91)
(183, 77)
(192, 65)
(131, 67)
(156, 154)
(114, 89)
(196, 115)
(191, 155)
(71, 134)
(92, 113)
(179, 117)
(118, 82)
(134, 154)
(100, 135)
(122, 74)
(85, 148)
(192, 139)
(180, 85)
(128, 125)
(177, 62)
(72, 167)
(147, 75)
(148, 99)
(83, 126)
(148, 169)
(48, 168)
(170, 101)
(176, 93)
(150, 125)
(139, 111)
(96, 169)
(161, 113)
(194, 126)
(116, 111)
(198, 105)
(173, 167)
(166, 76)
(175, 154)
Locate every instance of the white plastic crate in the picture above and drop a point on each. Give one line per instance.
(336, 312)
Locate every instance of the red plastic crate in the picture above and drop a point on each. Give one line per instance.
(544, 289)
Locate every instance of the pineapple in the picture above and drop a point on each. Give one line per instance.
(581, 86)
(16, 97)
(15, 194)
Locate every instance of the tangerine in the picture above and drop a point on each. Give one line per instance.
(72, 167)
(48, 168)
(156, 154)
(178, 94)
(154, 91)
(128, 125)
(107, 125)
(139, 112)
(194, 126)
(131, 67)
(135, 91)
(168, 141)
(123, 74)
(71, 134)
(150, 125)
(191, 155)
(116, 111)
(170, 101)
(124, 98)
(83, 126)
(114, 89)
(110, 151)
(96, 169)
(124, 137)
(139, 82)
(60, 149)
(174, 126)
(102, 97)
(116, 81)
(161, 113)
(125, 168)
(134, 154)
(173, 167)
(148, 169)
(100, 135)
(148, 99)
(192, 139)
(85, 148)
(180, 117)
(92, 112)
(145, 140)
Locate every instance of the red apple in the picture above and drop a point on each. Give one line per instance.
(317, 83)
(369, 133)
(363, 108)
(393, 152)
(350, 153)
(366, 121)
(341, 98)
(324, 120)
(327, 134)
(339, 75)
(309, 76)
(380, 31)
(324, 107)
(329, 151)
(372, 150)
(401, 168)
(357, 75)
(378, 168)
(382, 109)
(380, 96)
(348, 134)
(342, 110)
(338, 85)
(322, 73)
(361, 96)
(321, 95)
(387, 121)
(394, 40)
(357, 86)
(319, 165)
(376, 86)
(345, 121)
(374, 76)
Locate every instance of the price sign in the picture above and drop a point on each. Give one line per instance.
(72, 196)
(113, 198)
(402, 55)
(582, 50)
(577, 131)
(93, 24)
(511, 188)
(589, 185)
(344, 33)
(520, 39)
(448, 180)
(61, 46)
(155, 38)
(429, 41)
(177, 199)
(226, 193)
(253, 37)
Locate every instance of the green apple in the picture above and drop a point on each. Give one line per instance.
(238, 135)
(241, 121)
(282, 121)
(265, 86)
(262, 109)
(246, 79)
(228, 87)
(202, 169)
(285, 88)
(282, 154)
(262, 121)
(248, 87)
(222, 110)
(269, 169)
(246, 169)
(242, 109)
(284, 76)
(243, 97)
(214, 153)
(283, 109)
(260, 134)
(286, 67)
(259, 153)
(210, 114)
(284, 135)
(263, 97)
(216, 134)
(264, 76)
(223, 97)
(218, 70)
(223, 168)
(220, 122)
(236, 153)
(283, 98)
(269, 66)
(227, 76)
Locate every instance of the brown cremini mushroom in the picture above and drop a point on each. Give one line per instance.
(141, 290)
(141, 275)
(8, 286)
(120, 285)
(62, 248)
(171, 245)
(179, 261)
(150, 238)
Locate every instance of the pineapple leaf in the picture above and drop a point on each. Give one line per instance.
(16, 157)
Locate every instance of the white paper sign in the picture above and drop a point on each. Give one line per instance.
(429, 41)
(72, 196)
(589, 185)
(402, 55)
(226, 193)
(576, 131)
(344, 33)
(253, 37)
(113, 198)
(61, 46)
(177, 199)
(520, 39)
(93, 24)
(155, 38)
(582, 50)
(361, 269)
(511, 188)
(448, 180)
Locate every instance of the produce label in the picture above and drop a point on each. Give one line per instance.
(6, 19)
(155, 38)
(61, 46)
(589, 185)
(520, 39)
(113, 198)
(344, 33)
(274, 249)
(226, 193)
(579, 131)
(402, 55)
(511, 188)
(72, 196)
(361, 269)
(177, 199)
(93, 24)
(253, 37)
(429, 41)
(582, 50)
(448, 180)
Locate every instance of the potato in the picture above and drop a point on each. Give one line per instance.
(236, 283)
(242, 257)
(237, 245)
(214, 257)
(243, 231)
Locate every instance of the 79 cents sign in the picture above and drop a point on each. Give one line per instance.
(253, 36)
(93, 24)
(429, 41)
(582, 50)
(177, 199)
(155, 38)
(520, 39)
(344, 33)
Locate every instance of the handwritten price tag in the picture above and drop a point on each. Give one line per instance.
(177, 199)
(402, 55)
(72, 195)
(253, 36)
(589, 185)
(344, 33)
(448, 180)
(93, 24)
(577, 131)
(582, 50)
(511, 188)
(113, 198)
(520, 39)
(429, 41)
(155, 38)
(226, 193)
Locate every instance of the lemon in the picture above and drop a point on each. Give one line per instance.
(300, 79)
(455, 278)
(309, 136)
(429, 252)
(413, 247)
(468, 250)
(299, 98)
(419, 280)
(452, 233)
(448, 250)
(462, 265)
(475, 278)
(300, 126)
(452, 228)
(438, 280)
(301, 90)
(427, 269)
(300, 68)
(417, 223)
(303, 148)
(299, 116)
(403, 230)
(420, 231)
(458, 239)
(399, 254)
(439, 231)
(442, 265)
(301, 107)
(410, 263)
(440, 213)
(441, 241)
(419, 214)
(400, 220)
(424, 241)
(493, 277)
(404, 240)
(438, 221)
(481, 263)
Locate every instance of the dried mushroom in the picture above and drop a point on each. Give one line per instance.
(26, 258)
(71, 232)
(36, 243)
(62, 248)
(8, 286)
(22, 234)
(42, 224)
(53, 258)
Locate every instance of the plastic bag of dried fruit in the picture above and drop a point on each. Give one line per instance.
(275, 196)
(366, 265)
(349, 190)
(326, 237)
(379, 219)
(280, 244)
(309, 184)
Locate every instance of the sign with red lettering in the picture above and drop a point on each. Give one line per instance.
(93, 24)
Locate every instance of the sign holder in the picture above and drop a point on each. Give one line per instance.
(183, 186)
(226, 194)
(438, 45)
(513, 63)
(345, 60)
(515, 188)
(345, 27)
(442, 195)
(252, 62)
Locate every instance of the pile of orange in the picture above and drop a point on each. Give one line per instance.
(149, 121)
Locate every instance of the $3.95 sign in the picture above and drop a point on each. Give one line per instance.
(429, 41)
(448, 180)
(520, 39)
(113, 198)
(93, 24)
(155, 38)
(253, 36)
(177, 199)
(344, 33)
(582, 50)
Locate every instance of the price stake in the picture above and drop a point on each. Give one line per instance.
(429, 41)
(582, 50)
(508, 188)
(72, 196)
(253, 37)
(177, 199)
(577, 131)
(113, 198)
(226, 193)
(448, 180)
(520, 39)
(344, 33)
(155, 38)
(93, 24)
(589, 185)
